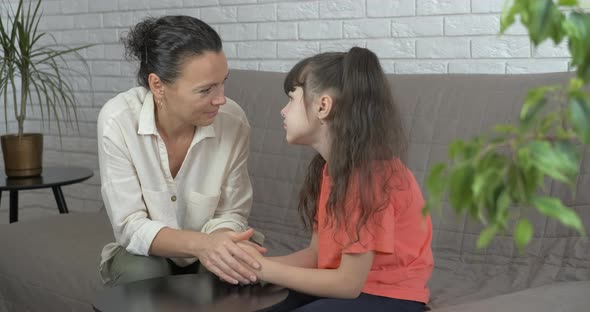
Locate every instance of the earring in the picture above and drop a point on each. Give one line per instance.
(160, 103)
(321, 121)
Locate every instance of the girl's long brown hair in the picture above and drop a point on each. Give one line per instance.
(366, 133)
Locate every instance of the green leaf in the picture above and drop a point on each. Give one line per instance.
(516, 184)
(567, 2)
(427, 207)
(489, 179)
(506, 129)
(556, 161)
(480, 183)
(533, 180)
(502, 203)
(460, 187)
(472, 148)
(436, 183)
(549, 122)
(527, 173)
(523, 157)
(575, 85)
(543, 20)
(577, 28)
(534, 102)
(579, 112)
(523, 233)
(554, 208)
(486, 181)
(486, 236)
(509, 15)
(456, 148)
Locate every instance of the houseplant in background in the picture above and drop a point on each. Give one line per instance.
(491, 178)
(29, 72)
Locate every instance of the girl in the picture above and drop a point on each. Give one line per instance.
(370, 247)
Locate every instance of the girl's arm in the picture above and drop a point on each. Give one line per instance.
(346, 281)
(305, 258)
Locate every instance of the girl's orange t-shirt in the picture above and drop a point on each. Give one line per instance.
(399, 235)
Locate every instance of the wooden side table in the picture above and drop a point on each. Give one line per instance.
(53, 177)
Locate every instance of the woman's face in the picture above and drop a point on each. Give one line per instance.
(195, 97)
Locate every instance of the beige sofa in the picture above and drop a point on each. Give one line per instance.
(51, 264)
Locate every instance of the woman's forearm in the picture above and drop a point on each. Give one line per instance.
(305, 258)
(171, 243)
(217, 251)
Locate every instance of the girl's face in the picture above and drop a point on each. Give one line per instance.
(300, 125)
(195, 97)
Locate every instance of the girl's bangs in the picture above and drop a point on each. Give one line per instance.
(296, 76)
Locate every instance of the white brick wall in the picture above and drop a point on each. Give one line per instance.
(410, 36)
(257, 33)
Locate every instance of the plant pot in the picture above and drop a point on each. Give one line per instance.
(23, 156)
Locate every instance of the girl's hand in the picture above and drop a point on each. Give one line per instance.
(258, 248)
(251, 249)
(222, 256)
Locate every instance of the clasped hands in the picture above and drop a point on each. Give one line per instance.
(232, 257)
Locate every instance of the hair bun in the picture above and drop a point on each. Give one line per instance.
(138, 38)
(161, 44)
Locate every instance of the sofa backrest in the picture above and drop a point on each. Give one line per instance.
(436, 109)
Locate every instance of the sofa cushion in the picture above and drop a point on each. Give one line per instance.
(436, 109)
(568, 296)
(52, 262)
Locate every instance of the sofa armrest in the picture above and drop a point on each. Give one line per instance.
(564, 296)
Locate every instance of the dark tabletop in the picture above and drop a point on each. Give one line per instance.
(51, 176)
(189, 292)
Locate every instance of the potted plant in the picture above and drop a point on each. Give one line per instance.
(31, 71)
(491, 178)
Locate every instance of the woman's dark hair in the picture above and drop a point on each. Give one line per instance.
(366, 132)
(162, 44)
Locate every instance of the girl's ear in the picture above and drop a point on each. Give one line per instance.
(325, 107)
(156, 85)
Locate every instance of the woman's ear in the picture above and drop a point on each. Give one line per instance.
(156, 85)
(324, 107)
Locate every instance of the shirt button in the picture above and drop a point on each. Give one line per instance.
(173, 198)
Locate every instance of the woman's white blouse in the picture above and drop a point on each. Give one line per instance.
(211, 190)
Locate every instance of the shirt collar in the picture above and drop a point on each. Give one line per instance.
(147, 119)
(203, 133)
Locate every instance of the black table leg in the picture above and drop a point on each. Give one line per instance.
(13, 206)
(60, 200)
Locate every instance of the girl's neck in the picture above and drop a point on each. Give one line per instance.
(323, 143)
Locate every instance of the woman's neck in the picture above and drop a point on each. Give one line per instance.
(172, 129)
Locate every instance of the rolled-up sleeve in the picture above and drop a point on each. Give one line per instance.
(236, 193)
(121, 193)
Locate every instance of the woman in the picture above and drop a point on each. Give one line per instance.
(173, 155)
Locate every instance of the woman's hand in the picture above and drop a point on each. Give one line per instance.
(222, 256)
